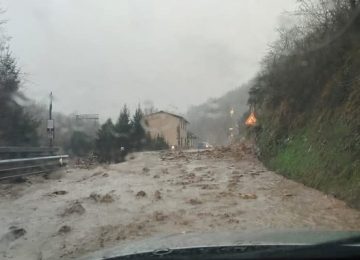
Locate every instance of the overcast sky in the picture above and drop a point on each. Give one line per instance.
(97, 55)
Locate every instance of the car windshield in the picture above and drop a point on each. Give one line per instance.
(126, 121)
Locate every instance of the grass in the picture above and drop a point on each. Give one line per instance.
(320, 147)
(321, 160)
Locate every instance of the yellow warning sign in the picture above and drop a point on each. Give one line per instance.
(251, 120)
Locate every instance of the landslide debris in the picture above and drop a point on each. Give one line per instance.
(237, 151)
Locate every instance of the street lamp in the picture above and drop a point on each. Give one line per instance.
(231, 112)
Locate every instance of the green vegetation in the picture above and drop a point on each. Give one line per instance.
(113, 142)
(307, 100)
(17, 127)
(81, 144)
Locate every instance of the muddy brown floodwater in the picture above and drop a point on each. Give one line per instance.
(80, 211)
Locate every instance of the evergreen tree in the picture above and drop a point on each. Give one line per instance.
(105, 142)
(123, 129)
(17, 127)
(138, 135)
(80, 143)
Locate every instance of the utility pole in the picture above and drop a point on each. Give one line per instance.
(50, 124)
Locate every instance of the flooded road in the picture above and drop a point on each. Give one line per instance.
(154, 193)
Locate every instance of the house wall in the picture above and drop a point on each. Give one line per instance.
(168, 126)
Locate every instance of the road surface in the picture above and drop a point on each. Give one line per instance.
(157, 193)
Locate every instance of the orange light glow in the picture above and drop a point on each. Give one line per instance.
(251, 120)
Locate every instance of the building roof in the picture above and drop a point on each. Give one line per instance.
(164, 112)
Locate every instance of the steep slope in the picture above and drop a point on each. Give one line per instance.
(307, 102)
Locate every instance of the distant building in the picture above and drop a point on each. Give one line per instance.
(173, 128)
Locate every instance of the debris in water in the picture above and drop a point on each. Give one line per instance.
(195, 201)
(141, 194)
(13, 234)
(157, 195)
(107, 198)
(159, 216)
(64, 229)
(94, 196)
(59, 192)
(248, 196)
(74, 208)
(96, 174)
(288, 194)
(201, 168)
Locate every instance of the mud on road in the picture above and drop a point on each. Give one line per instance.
(154, 193)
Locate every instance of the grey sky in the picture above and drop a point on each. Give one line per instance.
(97, 55)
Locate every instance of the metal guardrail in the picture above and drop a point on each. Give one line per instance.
(33, 160)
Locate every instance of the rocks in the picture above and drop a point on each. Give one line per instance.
(247, 196)
(141, 194)
(288, 194)
(97, 174)
(194, 202)
(64, 229)
(74, 208)
(175, 155)
(13, 234)
(201, 168)
(107, 198)
(145, 170)
(59, 192)
(157, 195)
(159, 216)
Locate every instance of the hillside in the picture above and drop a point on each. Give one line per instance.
(307, 100)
